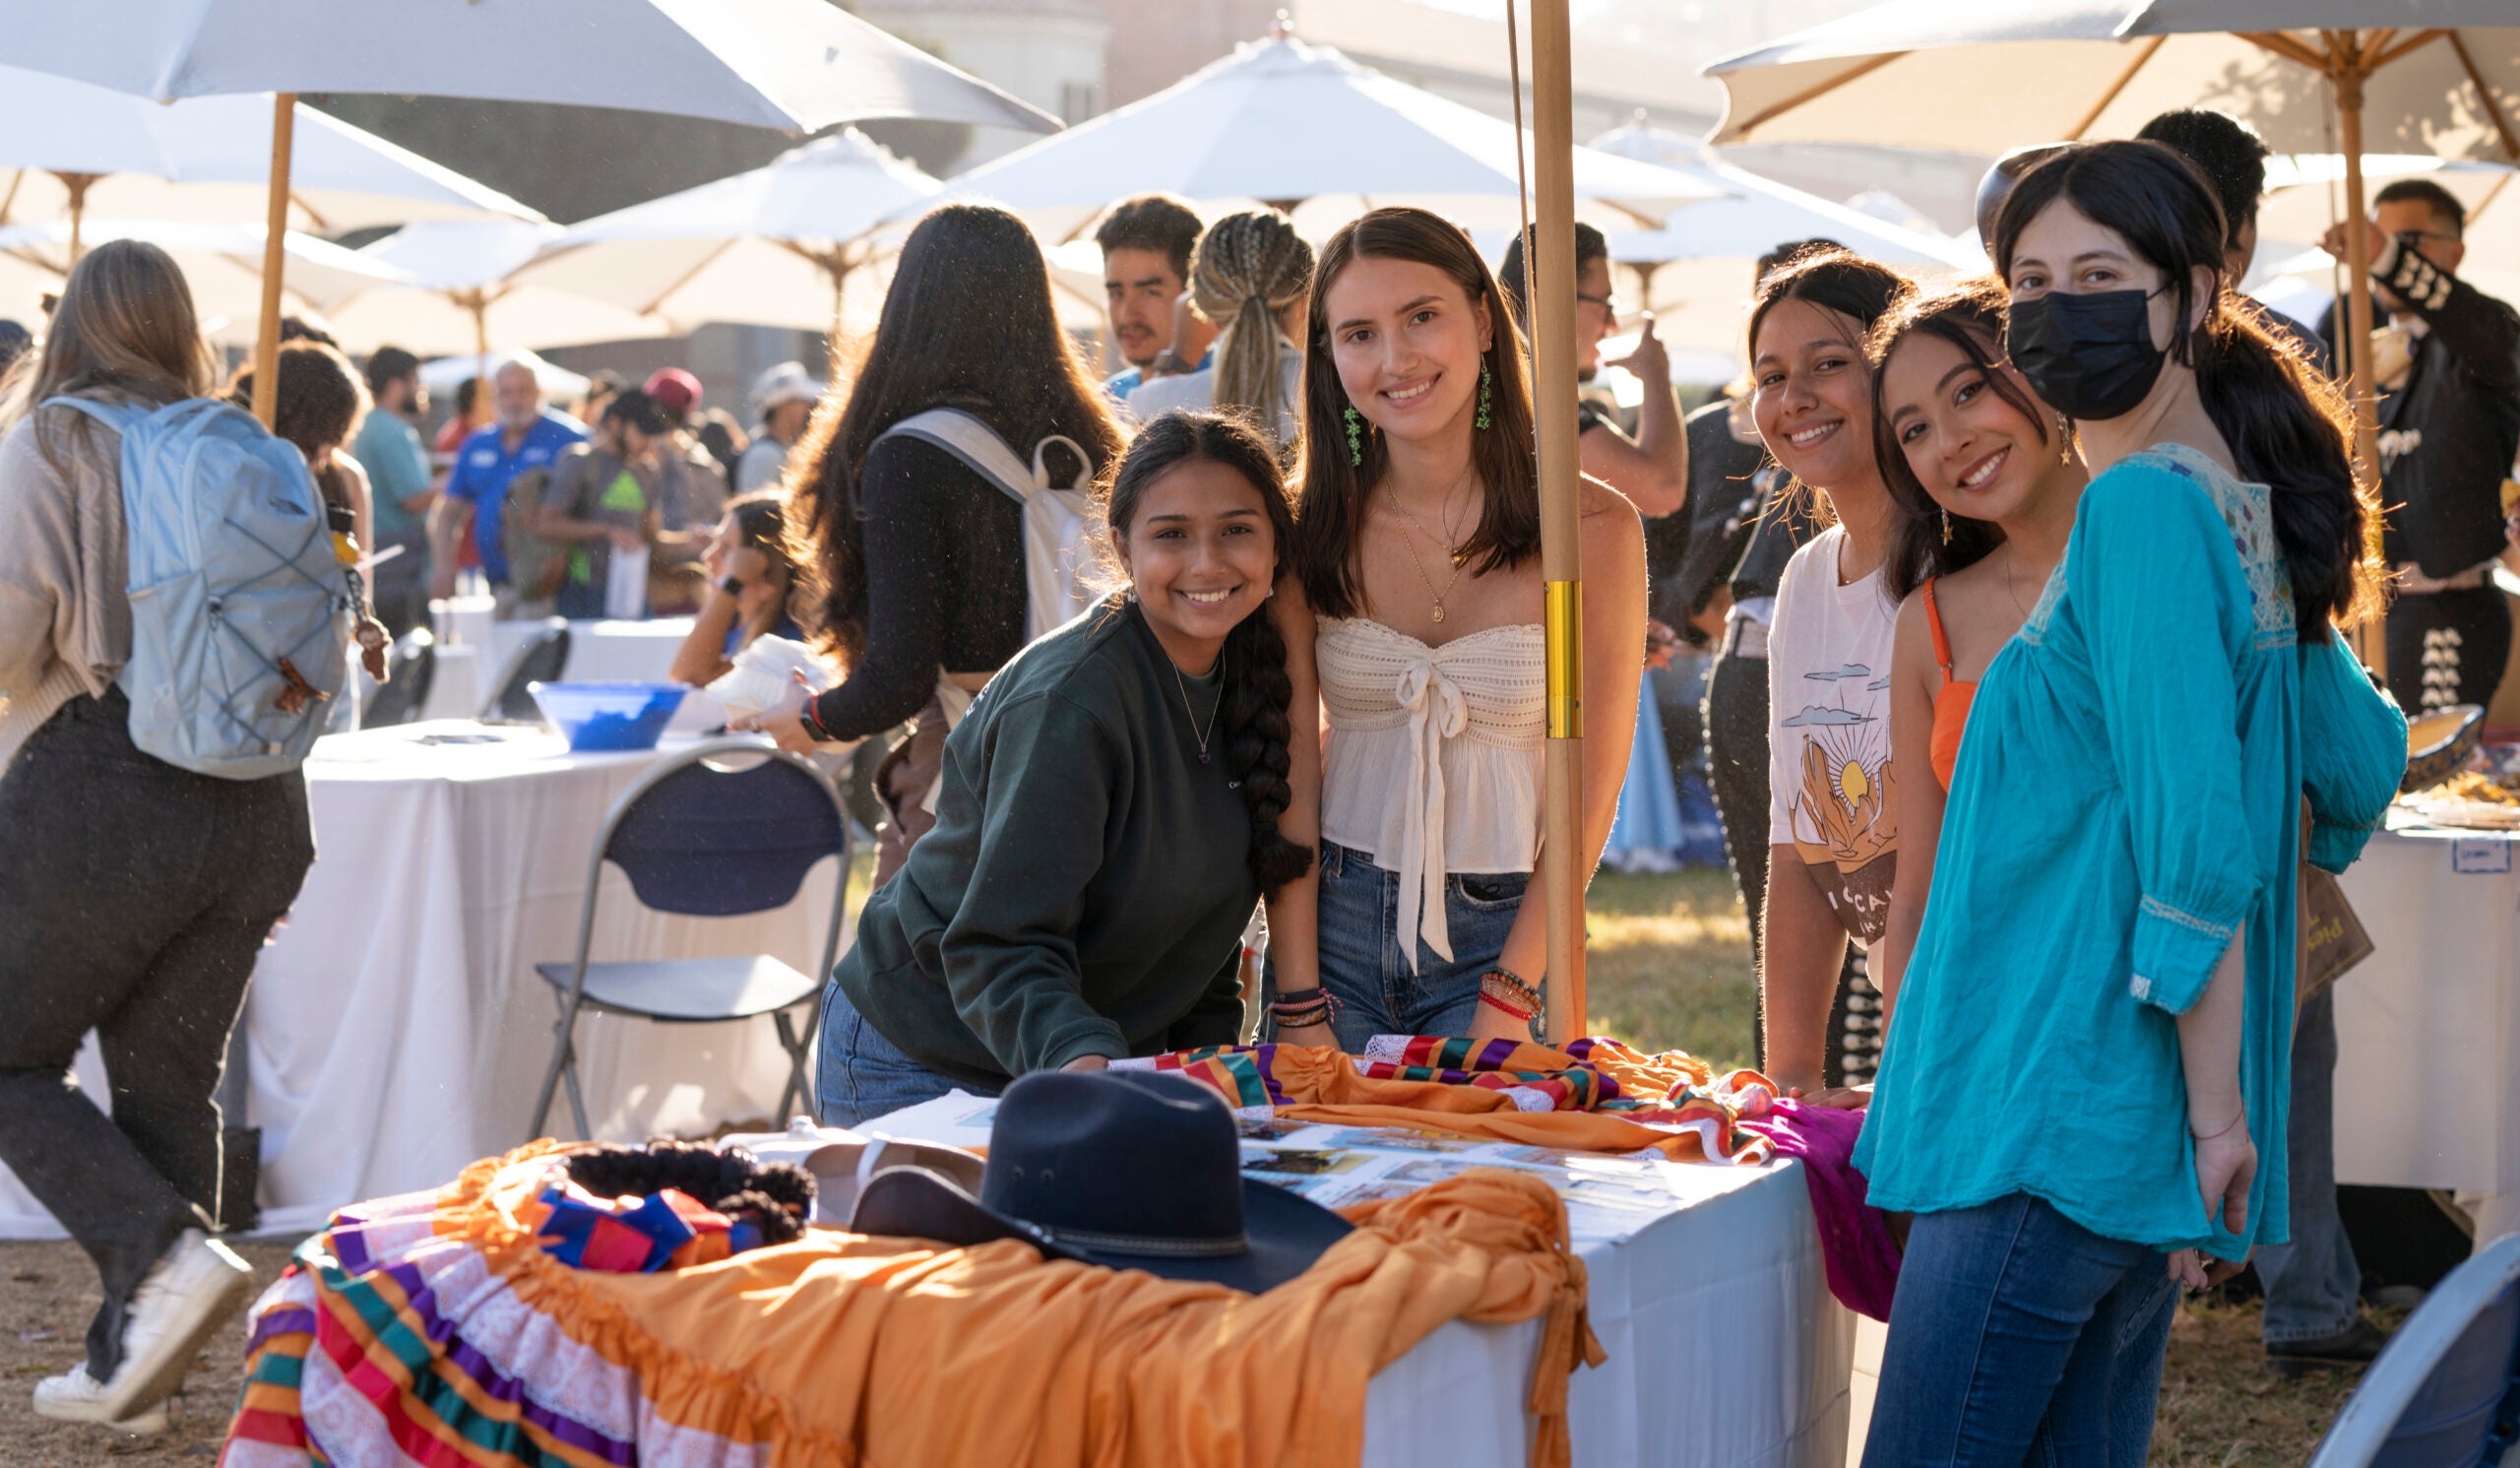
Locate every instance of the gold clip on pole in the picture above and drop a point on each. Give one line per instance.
(1564, 610)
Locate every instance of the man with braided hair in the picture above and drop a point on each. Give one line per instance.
(1251, 276)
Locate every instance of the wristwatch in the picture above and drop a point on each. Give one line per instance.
(732, 585)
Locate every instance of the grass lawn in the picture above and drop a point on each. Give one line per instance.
(1669, 969)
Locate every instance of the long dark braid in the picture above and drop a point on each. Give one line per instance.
(1252, 704)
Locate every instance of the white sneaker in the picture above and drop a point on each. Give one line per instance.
(77, 1397)
(196, 1287)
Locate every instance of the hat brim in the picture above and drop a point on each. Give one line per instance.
(1285, 1232)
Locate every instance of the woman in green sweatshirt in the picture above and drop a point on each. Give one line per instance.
(1113, 805)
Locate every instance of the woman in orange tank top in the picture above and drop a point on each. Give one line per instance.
(1985, 479)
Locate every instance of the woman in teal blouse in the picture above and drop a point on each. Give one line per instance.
(2084, 1090)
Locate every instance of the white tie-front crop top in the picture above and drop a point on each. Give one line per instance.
(1434, 757)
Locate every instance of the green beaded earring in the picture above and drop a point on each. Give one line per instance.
(1487, 391)
(1356, 436)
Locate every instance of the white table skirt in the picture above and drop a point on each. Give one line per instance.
(396, 1030)
(1725, 1346)
(2429, 1025)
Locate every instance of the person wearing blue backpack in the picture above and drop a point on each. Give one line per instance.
(172, 622)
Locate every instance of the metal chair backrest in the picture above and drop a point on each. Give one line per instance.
(407, 691)
(703, 837)
(2446, 1391)
(543, 660)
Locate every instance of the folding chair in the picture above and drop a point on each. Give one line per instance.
(723, 828)
(2445, 1392)
(542, 660)
(407, 691)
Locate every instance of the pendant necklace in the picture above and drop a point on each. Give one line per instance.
(1183, 685)
(1437, 613)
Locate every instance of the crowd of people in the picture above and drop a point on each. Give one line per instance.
(2033, 695)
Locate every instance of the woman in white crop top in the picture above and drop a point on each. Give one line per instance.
(1418, 541)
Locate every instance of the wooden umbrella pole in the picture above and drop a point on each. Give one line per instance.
(275, 257)
(2346, 76)
(1551, 273)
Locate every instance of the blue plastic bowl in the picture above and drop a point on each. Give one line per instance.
(605, 717)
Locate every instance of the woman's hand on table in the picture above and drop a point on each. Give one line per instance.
(1488, 1022)
(1319, 1036)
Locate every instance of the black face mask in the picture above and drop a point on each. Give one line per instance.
(2089, 356)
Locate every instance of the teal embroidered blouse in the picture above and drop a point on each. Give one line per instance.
(2127, 798)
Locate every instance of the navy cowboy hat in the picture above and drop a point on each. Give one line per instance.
(1132, 1170)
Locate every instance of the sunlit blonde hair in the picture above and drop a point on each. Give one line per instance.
(124, 327)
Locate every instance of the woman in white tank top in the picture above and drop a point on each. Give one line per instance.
(1418, 541)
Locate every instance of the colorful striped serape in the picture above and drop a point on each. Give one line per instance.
(1596, 1095)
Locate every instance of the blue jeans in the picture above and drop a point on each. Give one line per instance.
(2313, 1284)
(1360, 955)
(859, 1075)
(2019, 1336)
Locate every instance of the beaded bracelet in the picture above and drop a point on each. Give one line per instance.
(1508, 991)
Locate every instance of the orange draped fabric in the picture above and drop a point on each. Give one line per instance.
(842, 1351)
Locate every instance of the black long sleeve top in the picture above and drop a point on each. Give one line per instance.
(2448, 434)
(945, 588)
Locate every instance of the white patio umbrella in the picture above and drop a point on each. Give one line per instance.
(777, 245)
(222, 262)
(1298, 124)
(794, 64)
(1694, 273)
(461, 297)
(69, 148)
(2312, 76)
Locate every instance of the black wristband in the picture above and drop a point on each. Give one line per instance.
(732, 585)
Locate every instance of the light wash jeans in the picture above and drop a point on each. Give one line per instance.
(1361, 966)
(2313, 1284)
(859, 1075)
(2017, 1337)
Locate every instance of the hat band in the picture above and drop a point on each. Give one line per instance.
(1147, 1244)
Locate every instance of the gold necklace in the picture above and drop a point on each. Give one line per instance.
(2011, 558)
(1437, 613)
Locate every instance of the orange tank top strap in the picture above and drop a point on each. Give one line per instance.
(1933, 621)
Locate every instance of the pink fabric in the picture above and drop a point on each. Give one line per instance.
(1856, 1246)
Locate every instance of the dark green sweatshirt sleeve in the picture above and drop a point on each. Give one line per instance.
(1217, 1017)
(1009, 953)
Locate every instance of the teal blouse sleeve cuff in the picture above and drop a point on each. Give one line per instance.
(2175, 952)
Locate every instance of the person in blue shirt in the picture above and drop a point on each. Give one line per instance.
(2084, 1094)
(1146, 244)
(526, 436)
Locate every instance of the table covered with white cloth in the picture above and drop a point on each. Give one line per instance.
(1725, 1346)
(474, 650)
(396, 1030)
(2427, 1028)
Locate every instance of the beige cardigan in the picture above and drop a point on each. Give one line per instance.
(65, 614)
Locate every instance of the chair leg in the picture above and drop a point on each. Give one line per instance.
(799, 1080)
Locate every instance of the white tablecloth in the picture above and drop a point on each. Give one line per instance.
(1726, 1348)
(2428, 1090)
(396, 1030)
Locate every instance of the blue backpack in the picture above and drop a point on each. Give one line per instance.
(240, 613)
